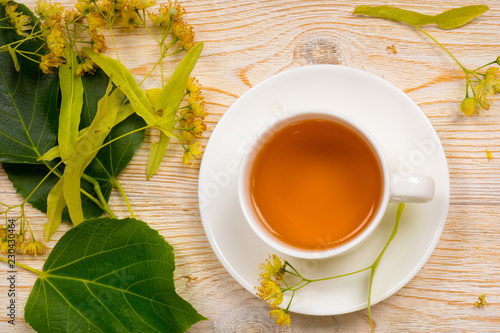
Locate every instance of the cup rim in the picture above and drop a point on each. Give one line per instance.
(247, 162)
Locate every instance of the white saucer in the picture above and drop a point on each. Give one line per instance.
(406, 138)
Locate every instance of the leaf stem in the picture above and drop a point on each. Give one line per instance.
(374, 267)
(444, 48)
(120, 188)
(97, 189)
(36, 271)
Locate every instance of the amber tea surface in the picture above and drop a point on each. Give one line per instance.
(316, 184)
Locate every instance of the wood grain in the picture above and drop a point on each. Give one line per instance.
(248, 41)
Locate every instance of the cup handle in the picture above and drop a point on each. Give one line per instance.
(415, 188)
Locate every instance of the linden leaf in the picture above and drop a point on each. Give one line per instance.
(109, 275)
(28, 102)
(449, 19)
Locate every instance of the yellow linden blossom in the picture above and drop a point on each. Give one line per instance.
(198, 127)
(4, 247)
(50, 13)
(105, 8)
(469, 106)
(96, 23)
(487, 87)
(190, 153)
(70, 16)
(87, 66)
(272, 268)
(192, 85)
(197, 103)
(33, 248)
(120, 4)
(172, 10)
(4, 2)
(19, 21)
(83, 6)
(129, 19)
(141, 4)
(282, 318)
(56, 44)
(270, 292)
(184, 32)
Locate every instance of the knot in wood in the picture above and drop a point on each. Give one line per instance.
(319, 50)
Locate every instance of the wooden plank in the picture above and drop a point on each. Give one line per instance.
(248, 41)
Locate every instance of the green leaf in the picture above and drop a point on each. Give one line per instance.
(71, 104)
(94, 87)
(108, 275)
(449, 19)
(28, 103)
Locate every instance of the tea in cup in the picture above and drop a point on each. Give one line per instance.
(315, 184)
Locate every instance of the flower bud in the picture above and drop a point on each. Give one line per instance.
(498, 60)
(468, 106)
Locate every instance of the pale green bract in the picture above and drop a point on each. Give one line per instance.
(449, 19)
(167, 102)
(71, 104)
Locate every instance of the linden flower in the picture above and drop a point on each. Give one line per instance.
(197, 103)
(282, 318)
(272, 268)
(184, 32)
(84, 6)
(105, 8)
(198, 127)
(4, 247)
(48, 12)
(192, 85)
(129, 19)
(33, 248)
(190, 153)
(87, 66)
(141, 4)
(270, 292)
(171, 10)
(70, 15)
(469, 106)
(19, 21)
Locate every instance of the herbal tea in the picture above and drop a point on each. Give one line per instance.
(316, 184)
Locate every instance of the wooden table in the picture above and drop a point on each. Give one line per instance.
(248, 41)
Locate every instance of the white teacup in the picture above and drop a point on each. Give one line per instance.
(394, 187)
